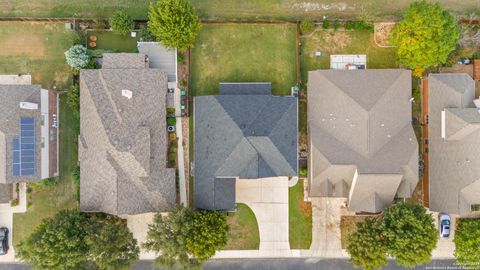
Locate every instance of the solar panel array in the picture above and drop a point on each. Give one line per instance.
(24, 149)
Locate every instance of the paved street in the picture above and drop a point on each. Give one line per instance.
(296, 264)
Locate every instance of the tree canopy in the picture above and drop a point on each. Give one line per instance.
(410, 234)
(405, 232)
(366, 246)
(185, 238)
(121, 23)
(174, 23)
(467, 242)
(77, 57)
(73, 240)
(425, 36)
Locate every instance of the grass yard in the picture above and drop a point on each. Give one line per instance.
(299, 218)
(220, 9)
(47, 201)
(243, 233)
(108, 40)
(35, 48)
(243, 53)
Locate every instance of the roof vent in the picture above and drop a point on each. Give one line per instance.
(28, 105)
(127, 93)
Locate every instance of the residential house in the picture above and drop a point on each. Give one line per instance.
(123, 140)
(242, 133)
(454, 144)
(28, 137)
(362, 144)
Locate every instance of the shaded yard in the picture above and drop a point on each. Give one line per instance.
(35, 48)
(243, 53)
(47, 201)
(108, 40)
(299, 218)
(243, 233)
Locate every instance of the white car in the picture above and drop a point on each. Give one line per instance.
(444, 225)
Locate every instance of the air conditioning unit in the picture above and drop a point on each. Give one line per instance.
(29, 105)
(171, 128)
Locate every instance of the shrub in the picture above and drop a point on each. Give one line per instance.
(99, 24)
(171, 121)
(183, 83)
(121, 23)
(48, 182)
(416, 94)
(336, 25)
(14, 202)
(476, 55)
(76, 175)
(77, 57)
(173, 149)
(349, 25)
(307, 26)
(180, 57)
(325, 25)
(145, 34)
(92, 64)
(170, 110)
(303, 171)
(172, 136)
(172, 157)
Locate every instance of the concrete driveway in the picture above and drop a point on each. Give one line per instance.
(268, 199)
(326, 215)
(445, 247)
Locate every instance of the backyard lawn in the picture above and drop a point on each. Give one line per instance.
(243, 233)
(108, 40)
(35, 48)
(299, 218)
(243, 53)
(47, 201)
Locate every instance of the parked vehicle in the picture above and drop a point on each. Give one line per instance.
(444, 225)
(3, 241)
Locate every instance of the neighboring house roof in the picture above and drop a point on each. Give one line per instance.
(241, 136)
(362, 143)
(123, 141)
(161, 58)
(17, 149)
(454, 161)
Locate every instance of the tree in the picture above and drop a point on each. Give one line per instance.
(77, 57)
(366, 246)
(167, 237)
(58, 243)
(121, 23)
(410, 234)
(174, 23)
(467, 242)
(186, 238)
(425, 37)
(209, 234)
(73, 240)
(111, 244)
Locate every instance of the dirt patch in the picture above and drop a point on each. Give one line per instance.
(305, 207)
(335, 41)
(382, 32)
(28, 45)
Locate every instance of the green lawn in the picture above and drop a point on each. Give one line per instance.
(219, 9)
(243, 53)
(47, 201)
(299, 218)
(108, 40)
(243, 233)
(35, 48)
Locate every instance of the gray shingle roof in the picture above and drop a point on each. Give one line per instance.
(361, 121)
(124, 60)
(245, 136)
(123, 143)
(232, 88)
(10, 98)
(454, 161)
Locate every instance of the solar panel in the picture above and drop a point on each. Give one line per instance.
(24, 148)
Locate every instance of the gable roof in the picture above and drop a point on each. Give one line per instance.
(11, 113)
(123, 143)
(360, 121)
(244, 136)
(454, 161)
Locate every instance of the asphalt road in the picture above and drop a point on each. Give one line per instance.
(280, 264)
